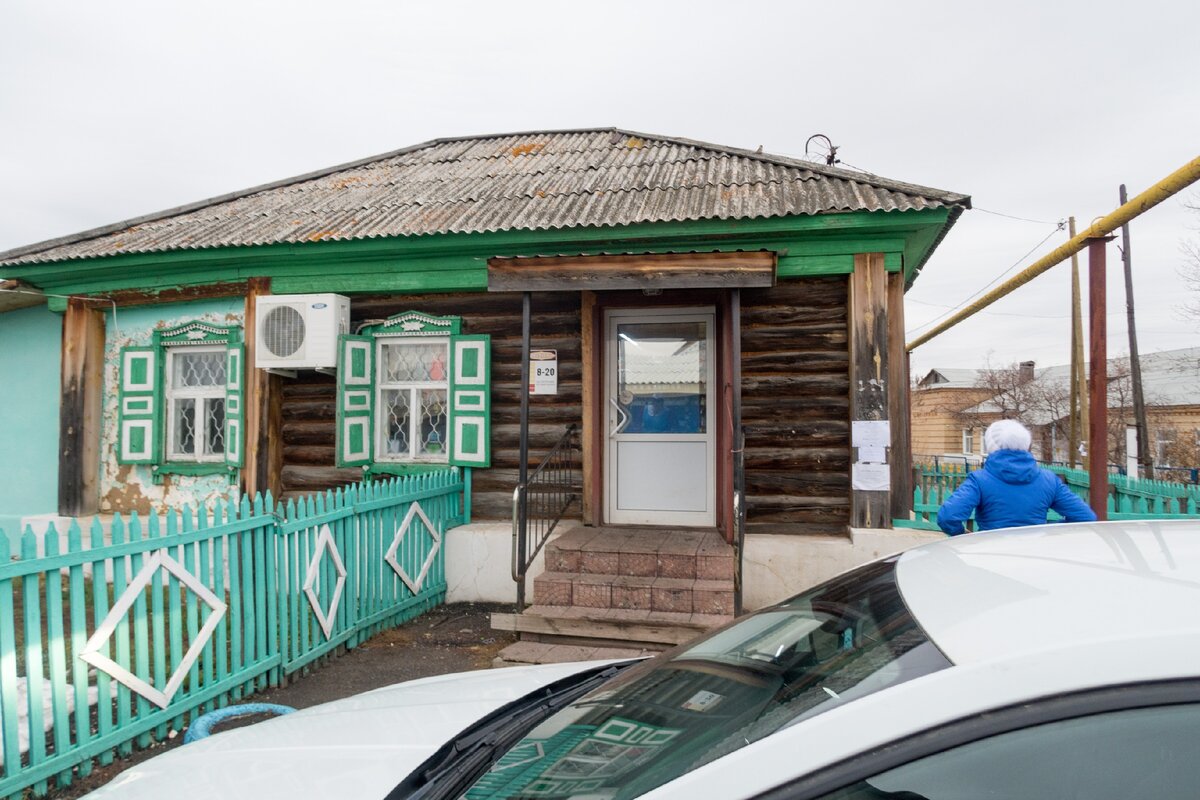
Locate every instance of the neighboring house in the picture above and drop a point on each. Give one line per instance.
(734, 287)
(938, 400)
(951, 409)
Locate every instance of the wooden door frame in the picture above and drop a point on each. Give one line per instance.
(592, 307)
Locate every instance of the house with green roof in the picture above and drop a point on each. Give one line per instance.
(475, 302)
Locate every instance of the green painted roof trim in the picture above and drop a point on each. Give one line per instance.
(807, 245)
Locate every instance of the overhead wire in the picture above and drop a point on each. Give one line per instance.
(1058, 226)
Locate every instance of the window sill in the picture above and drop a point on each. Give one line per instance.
(379, 469)
(160, 471)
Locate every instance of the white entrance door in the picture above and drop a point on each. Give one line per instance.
(659, 406)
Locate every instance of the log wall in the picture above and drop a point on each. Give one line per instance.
(309, 400)
(795, 400)
(795, 407)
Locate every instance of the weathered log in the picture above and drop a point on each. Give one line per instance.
(298, 478)
(310, 455)
(304, 431)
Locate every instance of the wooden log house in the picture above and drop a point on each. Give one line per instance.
(689, 294)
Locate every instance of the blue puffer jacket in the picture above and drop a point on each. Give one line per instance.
(1011, 490)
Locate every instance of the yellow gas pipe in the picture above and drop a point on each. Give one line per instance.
(1177, 181)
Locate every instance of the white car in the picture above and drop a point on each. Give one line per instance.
(1059, 661)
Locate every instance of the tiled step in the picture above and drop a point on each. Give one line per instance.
(680, 554)
(677, 595)
(653, 629)
(521, 653)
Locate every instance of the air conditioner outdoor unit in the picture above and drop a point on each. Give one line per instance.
(300, 331)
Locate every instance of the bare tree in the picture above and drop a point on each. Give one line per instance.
(1190, 269)
(1012, 393)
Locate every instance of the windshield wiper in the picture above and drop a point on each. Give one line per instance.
(456, 765)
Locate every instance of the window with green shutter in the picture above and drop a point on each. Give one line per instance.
(180, 400)
(413, 391)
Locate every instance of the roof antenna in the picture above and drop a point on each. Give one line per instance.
(831, 154)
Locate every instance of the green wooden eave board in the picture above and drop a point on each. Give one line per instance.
(457, 262)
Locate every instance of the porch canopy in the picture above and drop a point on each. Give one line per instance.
(736, 270)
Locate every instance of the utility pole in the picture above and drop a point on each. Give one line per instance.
(1135, 366)
(1077, 355)
(1079, 390)
(1098, 383)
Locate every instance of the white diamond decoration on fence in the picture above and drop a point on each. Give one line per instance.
(91, 651)
(325, 544)
(413, 511)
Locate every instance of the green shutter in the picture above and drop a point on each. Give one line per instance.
(470, 401)
(355, 400)
(235, 377)
(138, 404)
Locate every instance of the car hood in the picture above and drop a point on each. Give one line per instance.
(359, 747)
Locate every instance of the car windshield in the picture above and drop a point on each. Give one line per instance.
(669, 715)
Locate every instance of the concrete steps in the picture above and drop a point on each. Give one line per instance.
(622, 590)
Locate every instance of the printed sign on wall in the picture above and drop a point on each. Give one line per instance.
(543, 372)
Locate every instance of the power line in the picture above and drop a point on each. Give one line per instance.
(1012, 216)
(1057, 227)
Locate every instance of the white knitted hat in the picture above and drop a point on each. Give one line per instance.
(1007, 434)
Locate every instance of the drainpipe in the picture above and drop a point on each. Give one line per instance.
(738, 440)
(523, 467)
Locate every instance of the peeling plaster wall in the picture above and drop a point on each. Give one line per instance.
(30, 347)
(127, 487)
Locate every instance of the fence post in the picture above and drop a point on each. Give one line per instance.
(8, 672)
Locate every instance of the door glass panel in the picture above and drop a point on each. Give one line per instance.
(662, 376)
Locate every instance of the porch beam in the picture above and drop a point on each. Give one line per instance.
(899, 398)
(263, 404)
(616, 272)
(80, 412)
(870, 505)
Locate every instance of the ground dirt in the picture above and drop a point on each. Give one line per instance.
(451, 638)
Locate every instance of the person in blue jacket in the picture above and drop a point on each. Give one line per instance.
(1011, 489)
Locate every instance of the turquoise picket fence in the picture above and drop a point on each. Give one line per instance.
(927, 502)
(945, 477)
(111, 640)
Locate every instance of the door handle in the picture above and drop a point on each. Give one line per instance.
(622, 417)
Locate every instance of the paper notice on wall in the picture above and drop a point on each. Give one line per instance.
(870, 433)
(871, 477)
(874, 455)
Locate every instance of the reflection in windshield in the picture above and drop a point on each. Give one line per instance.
(842, 640)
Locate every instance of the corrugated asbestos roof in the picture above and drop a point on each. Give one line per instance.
(526, 181)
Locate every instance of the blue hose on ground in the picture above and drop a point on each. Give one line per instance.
(202, 727)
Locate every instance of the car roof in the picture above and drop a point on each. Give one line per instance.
(989, 596)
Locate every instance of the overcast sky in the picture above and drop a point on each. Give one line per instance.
(1037, 110)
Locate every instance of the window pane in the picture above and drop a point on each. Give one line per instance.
(395, 422)
(184, 427)
(433, 422)
(215, 432)
(1142, 753)
(409, 362)
(197, 369)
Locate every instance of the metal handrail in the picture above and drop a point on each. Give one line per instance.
(540, 502)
